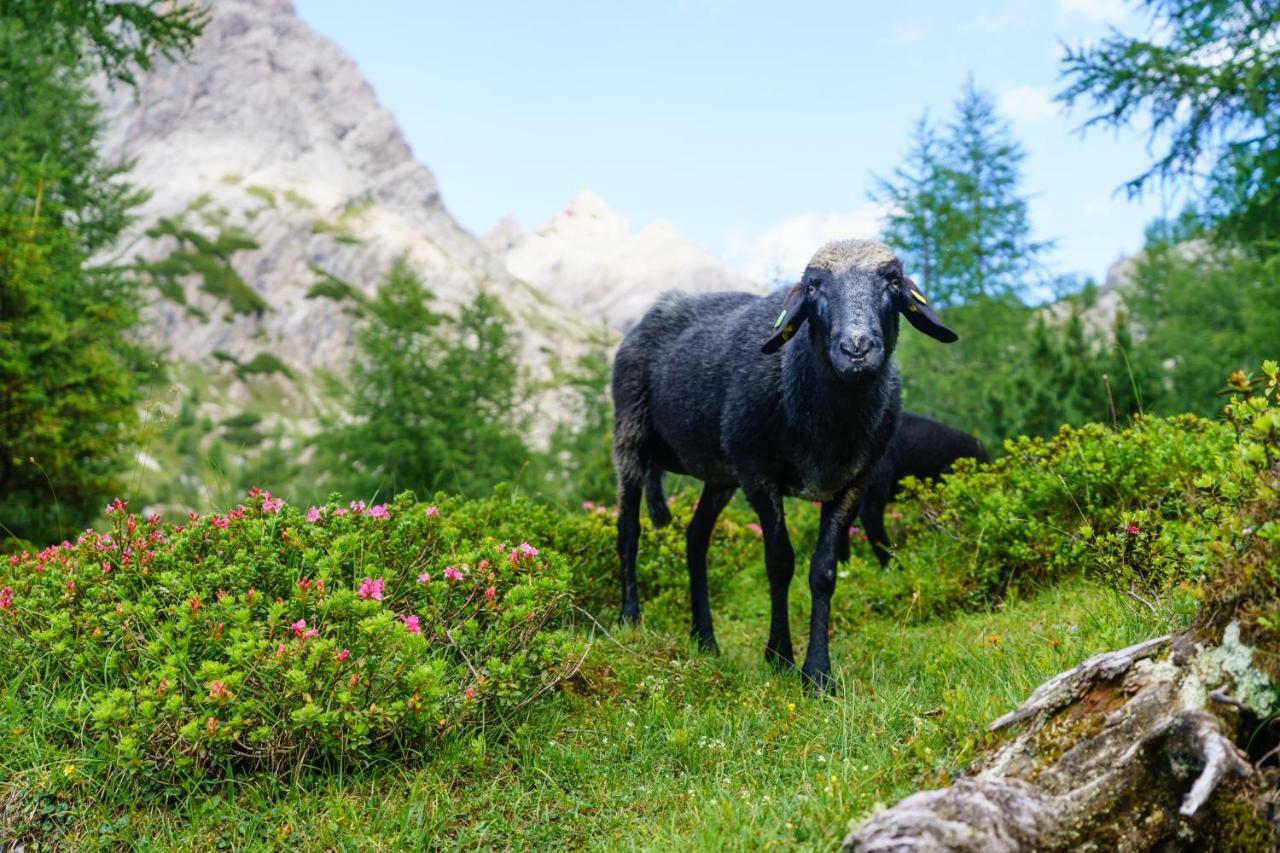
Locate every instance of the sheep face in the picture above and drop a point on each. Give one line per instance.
(853, 317)
(851, 296)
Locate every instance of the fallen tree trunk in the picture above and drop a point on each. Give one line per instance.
(1136, 749)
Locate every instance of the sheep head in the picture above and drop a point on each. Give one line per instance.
(851, 295)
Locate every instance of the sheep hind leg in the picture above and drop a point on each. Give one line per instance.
(629, 493)
(780, 561)
(697, 539)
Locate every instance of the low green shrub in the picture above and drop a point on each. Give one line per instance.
(1135, 506)
(587, 538)
(268, 638)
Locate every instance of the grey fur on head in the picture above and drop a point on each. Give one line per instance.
(840, 255)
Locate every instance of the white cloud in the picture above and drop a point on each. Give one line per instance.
(1026, 103)
(908, 33)
(1107, 11)
(779, 252)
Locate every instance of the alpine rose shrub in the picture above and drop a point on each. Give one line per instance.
(268, 636)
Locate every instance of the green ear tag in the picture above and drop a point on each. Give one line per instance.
(919, 297)
(781, 317)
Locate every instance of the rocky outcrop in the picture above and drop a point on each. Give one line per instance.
(270, 139)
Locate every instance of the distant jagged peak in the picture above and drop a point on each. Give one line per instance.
(588, 256)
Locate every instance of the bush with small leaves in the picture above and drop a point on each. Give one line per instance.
(267, 638)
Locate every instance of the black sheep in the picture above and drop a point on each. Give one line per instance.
(695, 393)
(921, 448)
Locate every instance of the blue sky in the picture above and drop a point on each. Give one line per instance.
(754, 127)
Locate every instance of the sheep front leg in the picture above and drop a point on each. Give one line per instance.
(822, 583)
(780, 562)
(697, 539)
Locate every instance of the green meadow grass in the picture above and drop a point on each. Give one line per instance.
(652, 745)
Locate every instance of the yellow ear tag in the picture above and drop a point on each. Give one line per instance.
(919, 297)
(913, 309)
(788, 332)
(781, 317)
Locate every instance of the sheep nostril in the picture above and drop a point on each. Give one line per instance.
(858, 347)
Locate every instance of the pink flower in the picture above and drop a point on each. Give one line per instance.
(302, 632)
(280, 651)
(304, 584)
(756, 529)
(424, 578)
(589, 506)
(411, 624)
(471, 693)
(218, 521)
(490, 593)
(342, 655)
(340, 512)
(853, 528)
(315, 514)
(451, 573)
(115, 506)
(357, 507)
(528, 550)
(218, 691)
(6, 598)
(1131, 529)
(433, 512)
(270, 504)
(379, 511)
(371, 588)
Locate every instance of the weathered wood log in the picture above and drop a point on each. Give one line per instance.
(1136, 749)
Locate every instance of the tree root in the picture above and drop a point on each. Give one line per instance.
(1122, 752)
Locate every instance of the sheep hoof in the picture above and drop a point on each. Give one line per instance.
(781, 661)
(818, 680)
(706, 643)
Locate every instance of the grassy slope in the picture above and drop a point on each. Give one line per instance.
(656, 746)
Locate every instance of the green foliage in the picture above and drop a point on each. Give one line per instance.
(68, 372)
(1247, 575)
(263, 364)
(329, 286)
(209, 259)
(1201, 79)
(1134, 506)
(1205, 311)
(108, 35)
(957, 211)
(262, 639)
(582, 444)
(434, 401)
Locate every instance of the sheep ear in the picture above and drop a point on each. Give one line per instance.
(794, 309)
(912, 305)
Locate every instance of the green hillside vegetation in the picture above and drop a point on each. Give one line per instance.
(533, 716)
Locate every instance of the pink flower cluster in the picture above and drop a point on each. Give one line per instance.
(598, 509)
(315, 514)
(433, 512)
(522, 553)
(379, 512)
(412, 624)
(451, 573)
(1132, 529)
(756, 529)
(371, 588)
(115, 506)
(6, 598)
(302, 632)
